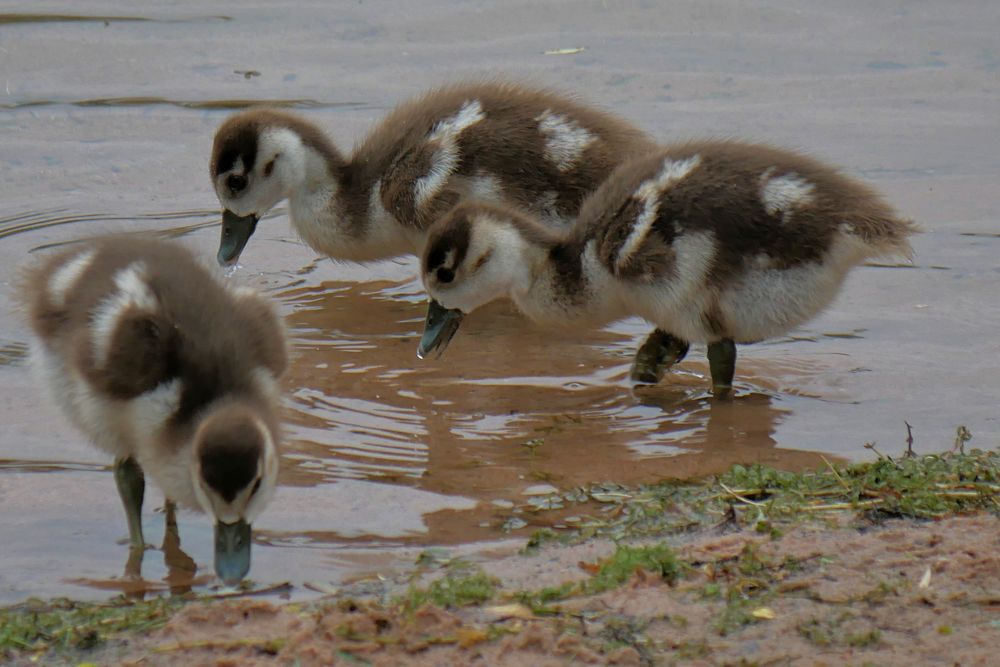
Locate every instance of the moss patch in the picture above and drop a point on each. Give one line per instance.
(909, 486)
(840, 629)
(37, 626)
(627, 560)
(455, 589)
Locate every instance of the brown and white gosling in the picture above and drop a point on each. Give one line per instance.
(170, 371)
(496, 142)
(716, 242)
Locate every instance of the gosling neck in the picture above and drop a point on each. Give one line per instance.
(339, 212)
(569, 287)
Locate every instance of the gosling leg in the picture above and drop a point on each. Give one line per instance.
(658, 353)
(132, 488)
(722, 363)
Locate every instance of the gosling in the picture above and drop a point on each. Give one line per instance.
(715, 242)
(170, 371)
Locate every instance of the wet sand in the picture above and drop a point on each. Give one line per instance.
(107, 126)
(896, 594)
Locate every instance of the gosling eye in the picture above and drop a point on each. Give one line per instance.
(269, 167)
(445, 275)
(256, 487)
(482, 260)
(236, 182)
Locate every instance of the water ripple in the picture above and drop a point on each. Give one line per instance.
(78, 18)
(211, 104)
(23, 223)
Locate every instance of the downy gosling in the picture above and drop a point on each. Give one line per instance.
(497, 142)
(716, 242)
(170, 371)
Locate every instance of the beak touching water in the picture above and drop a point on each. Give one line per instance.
(439, 327)
(236, 231)
(232, 551)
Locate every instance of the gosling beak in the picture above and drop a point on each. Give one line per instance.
(232, 551)
(439, 327)
(236, 231)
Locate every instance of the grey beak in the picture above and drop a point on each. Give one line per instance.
(232, 551)
(236, 231)
(439, 327)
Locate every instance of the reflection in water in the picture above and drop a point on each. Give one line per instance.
(509, 407)
(48, 466)
(181, 570)
(384, 451)
(12, 352)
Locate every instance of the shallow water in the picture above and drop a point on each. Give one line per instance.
(107, 126)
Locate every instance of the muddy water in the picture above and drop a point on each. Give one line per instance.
(106, 126)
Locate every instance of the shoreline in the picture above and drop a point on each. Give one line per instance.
(887, 562)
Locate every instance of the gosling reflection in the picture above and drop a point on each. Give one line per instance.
(513, 408)
(181, 570)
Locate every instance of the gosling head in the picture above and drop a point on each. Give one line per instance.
(474, 255)
(234, 469)
(258, 157)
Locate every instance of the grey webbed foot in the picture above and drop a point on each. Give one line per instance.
(658, 353)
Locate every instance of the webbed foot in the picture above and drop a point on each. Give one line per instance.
(658, 353)
(722, 364)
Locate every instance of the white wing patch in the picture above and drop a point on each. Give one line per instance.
(446, 134)
(565, 140)
(695, 254)
(375, 208)
(486, 187)
(151, 411)
(243, 292)
(784, 193)
(66, 276)
(649, 193)
(382, 239)
(133, 291)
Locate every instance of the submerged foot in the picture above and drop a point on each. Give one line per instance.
(658, 353)
(722, 363)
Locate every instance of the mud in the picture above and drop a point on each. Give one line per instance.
(896, 594)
